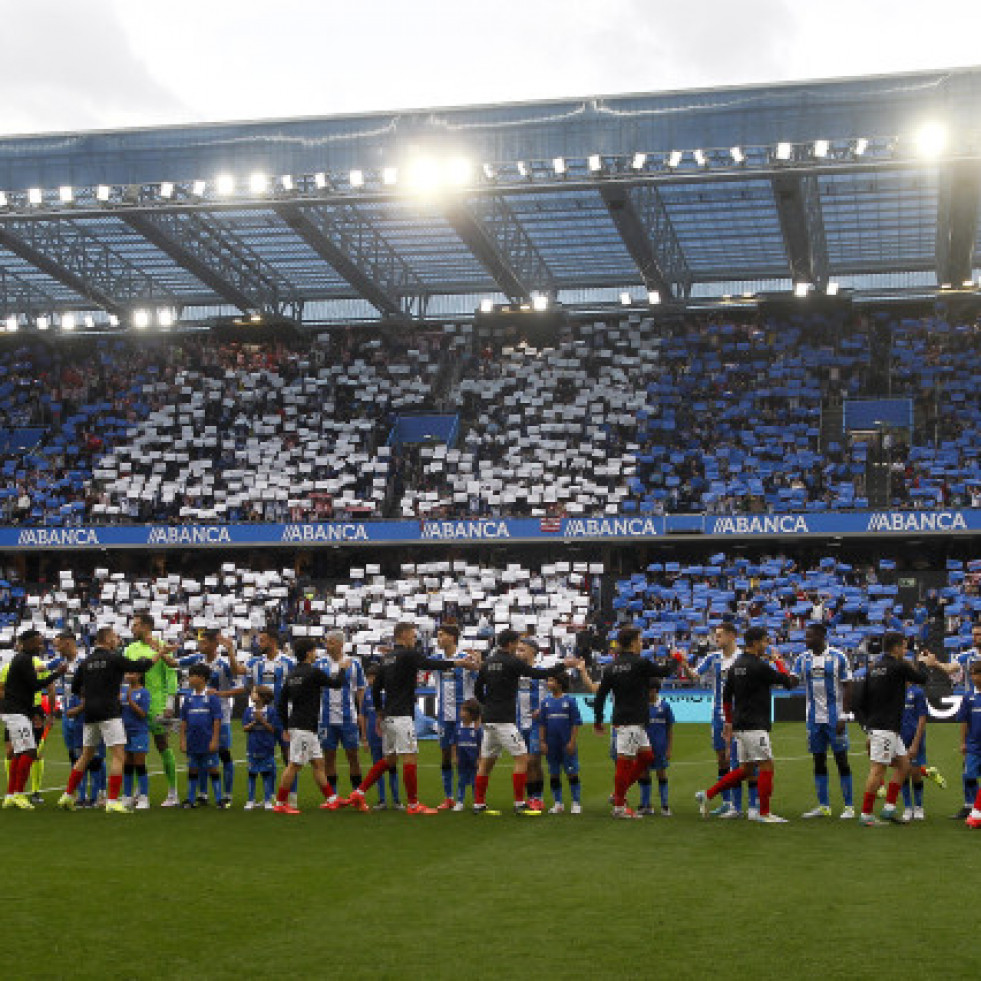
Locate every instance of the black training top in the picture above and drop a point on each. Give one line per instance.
(299, 698)
(99, 678)
(394, 688)
(885, 692)
(496, 687)
(628, 678)
(747, 692)
(22, 684)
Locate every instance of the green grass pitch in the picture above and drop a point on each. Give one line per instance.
(206, 893)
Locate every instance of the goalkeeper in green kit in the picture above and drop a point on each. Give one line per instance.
(161, 683)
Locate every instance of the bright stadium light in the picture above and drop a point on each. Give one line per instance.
(489, 172)
(522, 168)
(356, 178)
(595, 163)
(225, 185)
(320, 180)
(486, 306)
(390, 176)
(258, 183)
(674, 159)
(832, 288)
(424, 174)
(66, 194)
(699, 156)
(286, 182)
(113, 320)
(35, 196)
(198, 188)
(11, 324)
(821, 148)
(43, 323)
(68, 321)
(539, 302)
(931, 140)
(3, 199)
(102, 193)
(638, 161)
(167, 190)
(968, 284)
(737, 154)
(558, 165)
(801, 289)
(653, 297)
(784, 151)
(165, 317)
(861, 145)
(141, 318)
(89, 322)
(459, 171)
(625, 299)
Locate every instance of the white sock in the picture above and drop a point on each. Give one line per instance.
(976, 814)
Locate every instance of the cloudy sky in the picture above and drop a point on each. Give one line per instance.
(86, 64)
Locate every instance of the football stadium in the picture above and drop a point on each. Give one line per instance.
(631, 443)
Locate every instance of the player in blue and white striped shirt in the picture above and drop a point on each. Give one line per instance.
(341, 710)
(824, 673)
(531, 691)
(453, 688)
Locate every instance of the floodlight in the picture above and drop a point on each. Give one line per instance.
(625, 299)
(89, 322)
(486, 306)
(113, 320)
(102, 193)
(258, 183)
(737, 154)
(832, 288)
(286, 182)
(141, 318)
(356, 177)
(165, 317)
(198, 188)
(459, 171)
(66, 194)
(821, 148)
(68, 321)
(931, 140)
(699, 156)
(653, 297)
(42, 323)
(674, 158)
(3, 199)
(390, 176)
(539, 302)
(424, 174)
(800, 289)
(167, 190)
(489, 171)
(11, 324)
(255, 317)
(320, 180)
(558, 165)
(784, 151)
(225, 185)
(638, 161)
(522, 168)
(595, 163)
(968, 284)
(861, 145)
(35, 196)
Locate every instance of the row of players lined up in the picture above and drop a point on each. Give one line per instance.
(496, 683)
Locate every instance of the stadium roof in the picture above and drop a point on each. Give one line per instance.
(872, 184)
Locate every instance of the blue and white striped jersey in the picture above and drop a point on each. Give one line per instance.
(531, 691)
(453, 688)
(716, 664)
(965, 659)
(270, 672)
(822, 676)
(339, 706)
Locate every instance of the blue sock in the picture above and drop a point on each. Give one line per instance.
(645, 791)
(726, 794)
(576, 787)
(143, 782)
(662, 789)
(269, 784)
(127, 783)
(846, 790)
(970, 791)
(821, 786)
(296, 783)
(252, 779)
(447, 773)
(228, 776)
(907, 794)
(216, 785)
(736, 797)
(192, 785)
(753, 795)
(393, 783)
(918, 794)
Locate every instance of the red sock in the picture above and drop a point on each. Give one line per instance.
(764, 785)
(892, 793)
(410, 775)
(621, 780)
(74, 779)
(282, 793)
(977, 801)
(115, 785)
(374, 774)
(22, 765)
(732, 779)
(868, 802)
(327, 789)
(644, 759)
(480, 789)
(518, 781)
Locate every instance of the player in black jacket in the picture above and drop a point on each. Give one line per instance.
(882, 698)
(19, 689)
(496, 688)
(628, 678)
(299, 707)
(748, 714)
(394, 695)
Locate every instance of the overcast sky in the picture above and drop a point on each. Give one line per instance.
(88, 64)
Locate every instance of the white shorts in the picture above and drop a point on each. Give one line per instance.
(110, 732)
(753, 745)
(631, 740)
(885, 746)
(304, 747)
(502, 737)
(20, 732)
(399, 736)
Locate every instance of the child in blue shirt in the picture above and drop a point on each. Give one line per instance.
(200, 729)
(559, 721)
(135, 701)
(969, 716)
(660, 731)
(261, 721)
(468, 739)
